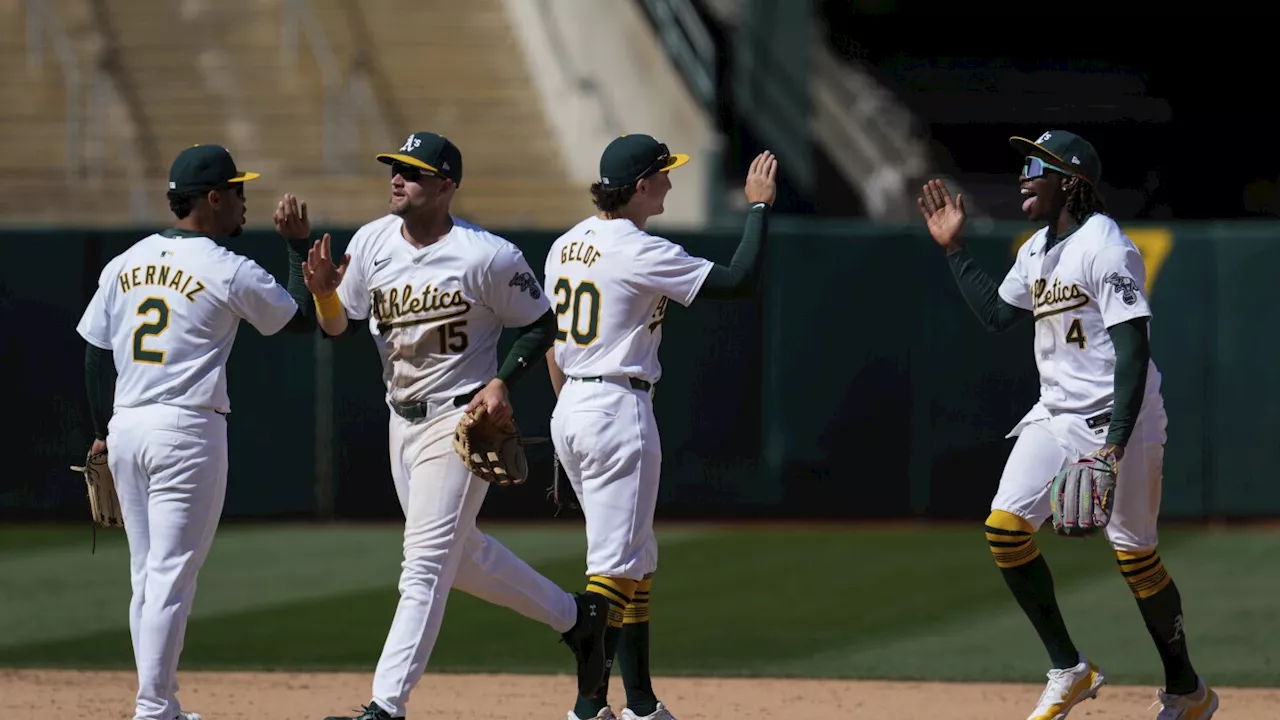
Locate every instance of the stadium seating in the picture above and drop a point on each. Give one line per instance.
(191, 71)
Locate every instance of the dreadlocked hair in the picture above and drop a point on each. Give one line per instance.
(1083, 200)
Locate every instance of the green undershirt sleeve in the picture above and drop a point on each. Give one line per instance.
(1133, 356)
(529, 348)
(303, 321)
(100, 382)
(980, 292)
(738, 279)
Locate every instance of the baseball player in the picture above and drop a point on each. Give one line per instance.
(435, 293)
(159, 330)
(611, 282)
(1081, 280)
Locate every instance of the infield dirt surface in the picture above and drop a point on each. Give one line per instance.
(108, 695)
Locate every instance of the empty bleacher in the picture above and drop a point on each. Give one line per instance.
(303, 91)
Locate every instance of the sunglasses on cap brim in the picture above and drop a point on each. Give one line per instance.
(1035, 167)
(410, 173)
(663, 158)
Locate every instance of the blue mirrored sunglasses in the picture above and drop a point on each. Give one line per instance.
(1034, 167)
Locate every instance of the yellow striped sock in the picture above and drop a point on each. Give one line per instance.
(1144, 571)
(618, 591)
(1010, 539)
(638, 610)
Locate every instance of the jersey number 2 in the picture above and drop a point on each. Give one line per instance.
(573, 298)
(1075, 334)
(161, 309)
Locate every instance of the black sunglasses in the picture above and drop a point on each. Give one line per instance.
(409, 172)
(657, 165)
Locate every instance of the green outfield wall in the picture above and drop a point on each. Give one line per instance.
(855, 385)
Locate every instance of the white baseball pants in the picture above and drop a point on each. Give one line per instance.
(444, 549)
(1048, 442)
(607, 440)
(170, 468)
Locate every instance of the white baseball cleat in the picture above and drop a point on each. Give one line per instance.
(1068, 688)
(189, 716)
(662, 713)
(604, 714)
(1199, 705)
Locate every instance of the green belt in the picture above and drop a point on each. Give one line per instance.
(417, 411)
(636, 383)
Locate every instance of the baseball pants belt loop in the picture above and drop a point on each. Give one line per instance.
(419, 410)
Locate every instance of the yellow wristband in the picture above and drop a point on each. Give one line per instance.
(329, 306)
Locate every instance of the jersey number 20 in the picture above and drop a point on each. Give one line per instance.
(161, 309)
(590, 315)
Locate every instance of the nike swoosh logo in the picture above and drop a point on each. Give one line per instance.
(379, 263)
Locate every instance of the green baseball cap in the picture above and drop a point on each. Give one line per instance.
(430, 152)
(205, 167)
(1069, 152)
(630, 158)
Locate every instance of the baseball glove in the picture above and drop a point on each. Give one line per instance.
(492, 452)
(1082, 495)
(104, 504)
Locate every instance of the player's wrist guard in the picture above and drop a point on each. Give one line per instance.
(329, 306)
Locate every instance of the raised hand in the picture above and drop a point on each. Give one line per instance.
(944, 217)
(320, 274)
(762, 176)
(291, 218)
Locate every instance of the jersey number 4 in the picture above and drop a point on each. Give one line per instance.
(1075, 334)
(157, 327)
(569, 297)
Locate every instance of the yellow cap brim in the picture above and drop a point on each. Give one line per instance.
(389, 158)
(677, 159)
(245, 177)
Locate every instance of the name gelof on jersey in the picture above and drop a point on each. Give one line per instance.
(162, 276)
(403, 307)
(580, 252)
(1050, 296)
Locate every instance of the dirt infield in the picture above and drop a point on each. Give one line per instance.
(300, 696)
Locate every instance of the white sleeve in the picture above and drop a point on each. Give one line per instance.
(353, 291)
(256, 296)
(95, 324)
(1119, 278)
(1015, 290)
(667, 269)
(511, 289)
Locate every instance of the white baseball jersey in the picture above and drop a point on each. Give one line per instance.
(1090, 281)
(169, 307)
(611, 282)
(436, 313)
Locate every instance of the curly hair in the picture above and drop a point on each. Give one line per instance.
(611, 200)
(1084, 200)
(182, 203)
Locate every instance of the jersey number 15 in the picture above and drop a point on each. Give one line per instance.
(568, 297)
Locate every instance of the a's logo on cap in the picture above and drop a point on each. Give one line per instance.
(411, 144)
(1075, 159)
(173, 185)
(1043, 137)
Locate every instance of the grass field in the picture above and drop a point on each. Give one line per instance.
(903, 603)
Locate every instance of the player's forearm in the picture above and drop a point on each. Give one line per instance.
(1133, 356)
(557, 377)
(330, 314)
(304, 321)
(532, 343)
(100, 382)
(738, 278)
(981, 294)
